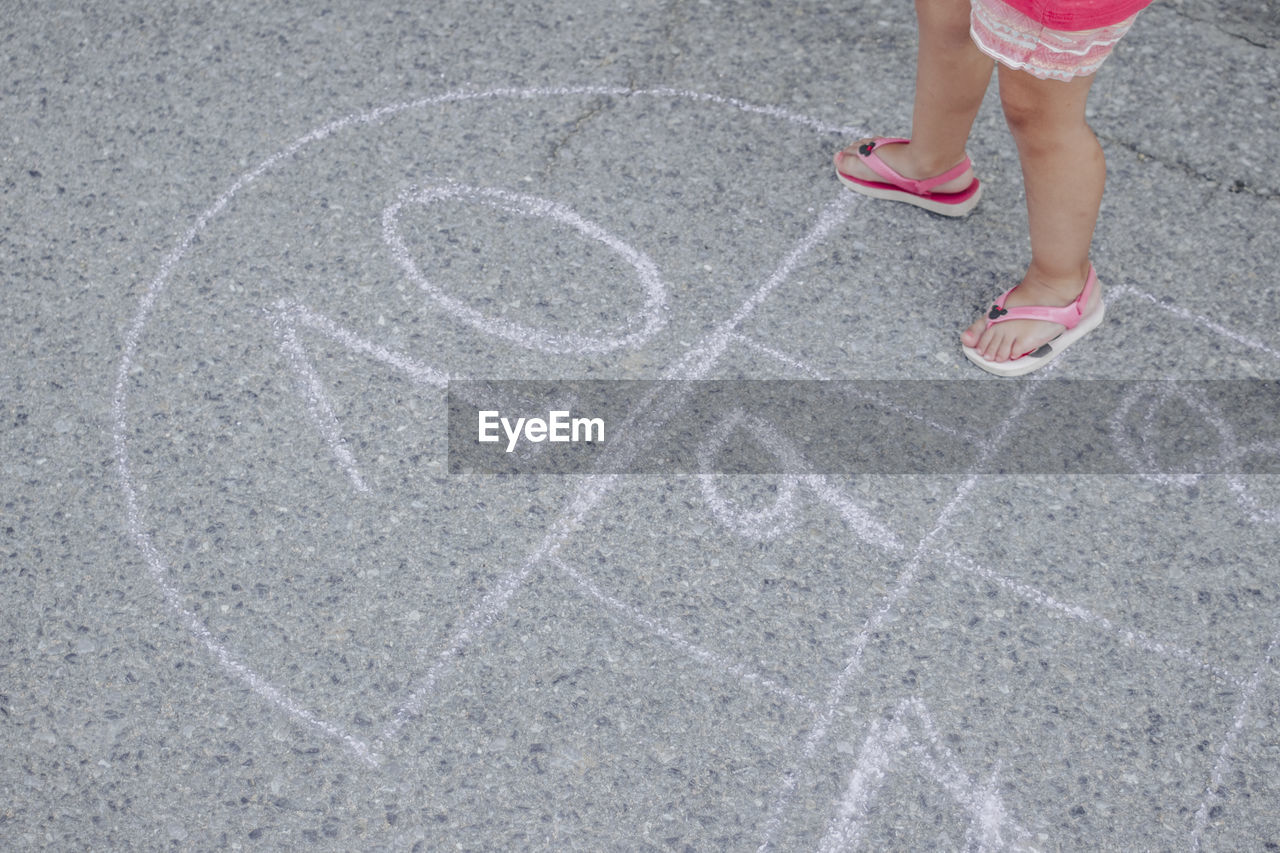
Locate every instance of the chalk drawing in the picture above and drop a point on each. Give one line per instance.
(716, 662)
(962, 563)
(889, 743)
(1146, 463)
(1130, 637)
(291, 315)
(902, 587)
(770, 522)
(853, 391)
(643, 325)
(889, 747)
(1213, 793)
(764, 524)
(317, 399)
(1128, 290)
(695, 365)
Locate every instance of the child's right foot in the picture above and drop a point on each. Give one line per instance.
(886, 168)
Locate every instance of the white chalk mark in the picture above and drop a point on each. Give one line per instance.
(1029, 593)
(315, 396)
(1166, 391)
(636, 329)
(484, 615)
(764, 524)
(1231, 451)
(779, 356)
(595, 487)
(582, 502)
(1127, 636)
(1257, 513)
(869, 774)
(889, 747)
(622, 612)
(296, 314)
(1195, 319)
(133, 515)
(853, 391)
(699, 360)
(867, 527)
(1212, 794)
(906, 580)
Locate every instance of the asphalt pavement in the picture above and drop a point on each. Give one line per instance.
(247, 603)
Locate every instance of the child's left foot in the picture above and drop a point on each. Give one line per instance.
(1032, 323)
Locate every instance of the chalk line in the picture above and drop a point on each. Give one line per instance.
(315, 396)
(719, 663)
(1212, 795)
(962, 563)
(1195, 319)
(814, 373)
(763, 525)
(293, 314)
(155, 564)
(769, 523)
(888, 744)
(1127, 636)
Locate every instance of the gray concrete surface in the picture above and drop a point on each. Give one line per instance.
(246, 607)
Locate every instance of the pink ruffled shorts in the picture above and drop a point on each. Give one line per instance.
(1024, 44)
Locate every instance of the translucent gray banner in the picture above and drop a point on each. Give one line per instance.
(1163, 427)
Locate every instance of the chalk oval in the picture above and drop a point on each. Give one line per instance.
(635, 329)
(761, 524)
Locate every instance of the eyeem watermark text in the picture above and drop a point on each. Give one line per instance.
(558, 426)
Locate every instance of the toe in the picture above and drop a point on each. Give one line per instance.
(996, 344)
(847, 160)
(970, 336)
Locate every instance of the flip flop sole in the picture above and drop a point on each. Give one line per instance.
(1046, 353)
(948, 204)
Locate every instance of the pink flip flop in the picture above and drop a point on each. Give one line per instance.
(1073, 316)
(896, 187)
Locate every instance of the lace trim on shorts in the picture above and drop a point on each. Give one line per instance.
(1024, 44)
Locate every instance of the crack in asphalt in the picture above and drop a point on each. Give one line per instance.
(1236, 185)
(553, 156)
(1217, 26)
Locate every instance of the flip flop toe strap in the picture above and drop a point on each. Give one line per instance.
(1066, 315)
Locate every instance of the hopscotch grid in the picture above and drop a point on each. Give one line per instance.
(159, 283)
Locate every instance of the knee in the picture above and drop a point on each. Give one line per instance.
(1025, 113)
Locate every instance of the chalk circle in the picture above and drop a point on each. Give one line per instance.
(1147, 463)
(150, 303)
(1142, 455)
(635, 329)
(758, 525)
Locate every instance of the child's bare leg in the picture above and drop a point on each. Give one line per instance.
(951, 78)
(1063, 170)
